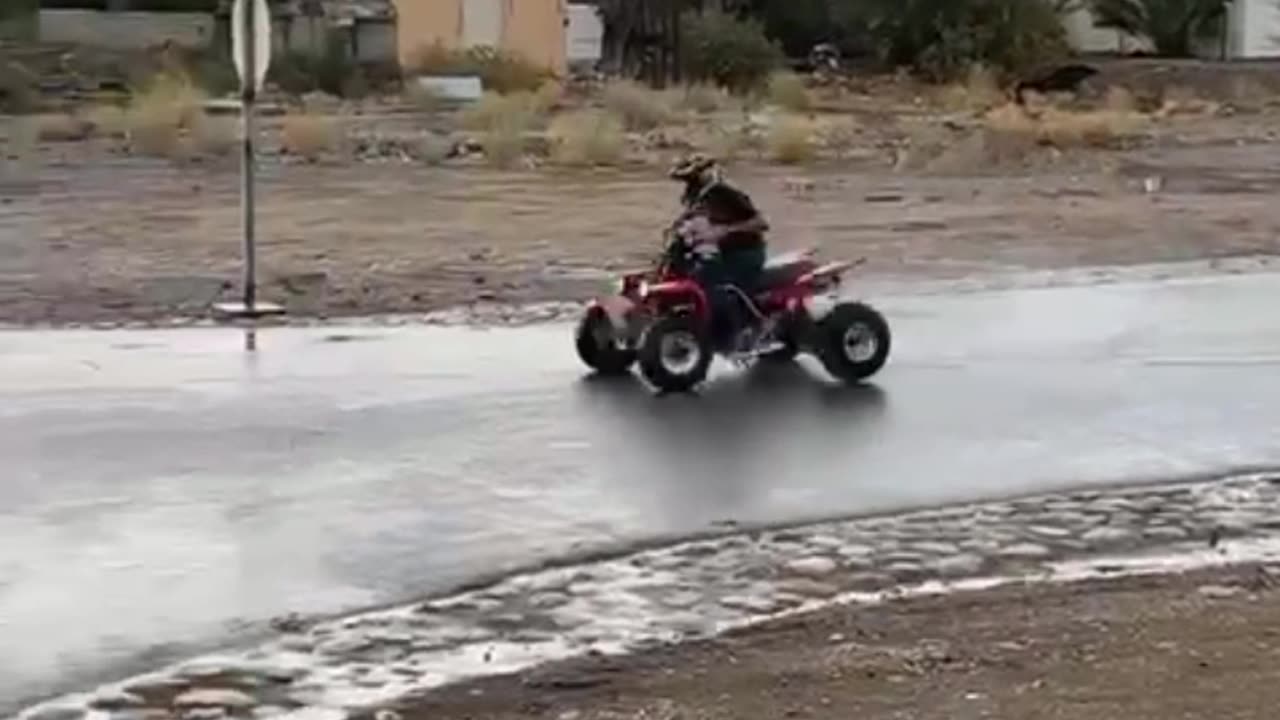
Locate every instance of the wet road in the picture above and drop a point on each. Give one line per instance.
(166, 486)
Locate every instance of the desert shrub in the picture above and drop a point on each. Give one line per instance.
(1174, 27)
(493, 110)
(499, 71)
(702, 98)
(978, 91)
(108, 120)
(787, 90)
(941, 39)
(1065, 128)
(791, 140)
(161, 111)
(60, 127)
(588, 137)
(729, 51)
(640, 107)
(504, 142)
(310, 136)
(18, 93)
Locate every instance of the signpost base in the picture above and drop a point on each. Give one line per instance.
(240, 311)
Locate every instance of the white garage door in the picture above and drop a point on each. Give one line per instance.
(1257, 25)
(482, 22)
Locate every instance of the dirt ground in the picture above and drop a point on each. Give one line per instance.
(131, 240)
(1201, 645)
(91, 234)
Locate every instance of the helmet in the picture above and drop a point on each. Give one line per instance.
(695, 168)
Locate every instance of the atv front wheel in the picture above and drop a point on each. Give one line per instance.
(675, 354)
(598, 347)
(853, 342)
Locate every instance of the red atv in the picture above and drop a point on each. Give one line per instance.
(662, 318)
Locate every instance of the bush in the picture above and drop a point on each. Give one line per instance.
(1173, 26)
(310, 136)
(504, 143)
(588, 137)
(159, 113)
(639, 107)
(979, 92)
(499, 71)
(60, 128)
(787, 90)
(941, 39)
(18, 93)
(728, 51)
(1064, 128)
(791, 140)
(493, 110)
(702, 98)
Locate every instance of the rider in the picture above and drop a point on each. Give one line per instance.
(737, 229)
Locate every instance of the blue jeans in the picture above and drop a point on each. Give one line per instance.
(740, 268)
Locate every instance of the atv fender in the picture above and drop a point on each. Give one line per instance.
(619, 310)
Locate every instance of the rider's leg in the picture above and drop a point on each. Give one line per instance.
(742, 269)
(712, 275)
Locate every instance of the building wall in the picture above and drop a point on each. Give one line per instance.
(536, 29)
(533, 28)
(126, 30)
(424, 23)
(1257, 29)
(1085, 37)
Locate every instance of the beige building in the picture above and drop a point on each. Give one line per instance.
(535, 29)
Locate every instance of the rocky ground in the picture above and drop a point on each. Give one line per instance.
(1199, 645)
(979, 649)
(130, 240)
(91, 234)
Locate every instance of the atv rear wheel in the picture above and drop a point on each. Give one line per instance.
(675, 353)
(853, 342)
(598, 347)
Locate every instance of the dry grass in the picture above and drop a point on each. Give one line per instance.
(788, 91)
(588, 138)
(979, 92)
(505, 120)
(547, 97)
(310, 136)
(158, 115)
(702, 98)
(639, 107)
(792, 140)
(215, 136)
(60, 128)
(108, 121)
(493, 111)
(1121, 100)
(504, 142)
(23, 143)
(1064, 128)
(840, 134)
(724, 143)
(1184, 101)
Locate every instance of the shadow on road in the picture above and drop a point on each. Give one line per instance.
(726, 449)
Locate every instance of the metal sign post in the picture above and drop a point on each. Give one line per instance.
(251, 51)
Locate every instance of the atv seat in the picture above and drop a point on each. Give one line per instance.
(783, 269)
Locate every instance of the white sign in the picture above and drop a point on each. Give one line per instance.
(261, 42)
